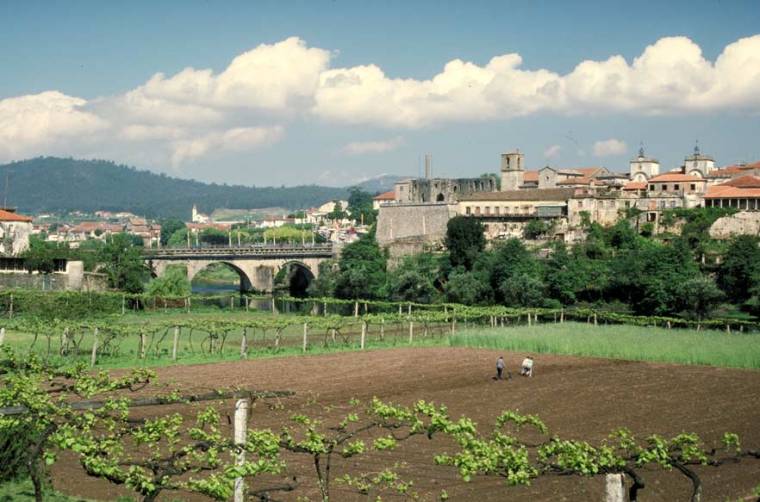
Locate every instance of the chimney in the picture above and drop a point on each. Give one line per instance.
(428, 166)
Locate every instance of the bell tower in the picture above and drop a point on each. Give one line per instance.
(512, 170)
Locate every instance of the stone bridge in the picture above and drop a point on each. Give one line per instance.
(256, 265)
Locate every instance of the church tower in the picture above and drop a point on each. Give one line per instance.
(512, 170)
(642, 168)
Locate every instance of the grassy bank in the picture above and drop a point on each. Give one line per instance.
(713, 348)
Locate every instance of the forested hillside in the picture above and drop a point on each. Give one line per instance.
(50, 184)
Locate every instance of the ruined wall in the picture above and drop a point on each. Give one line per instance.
(742, 223)
(406, 229)
(425, 221)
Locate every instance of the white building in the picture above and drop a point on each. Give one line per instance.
(14, 232)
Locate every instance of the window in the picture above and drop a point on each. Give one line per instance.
(627, 203)
(496, 210)
(488, 210)
(676, 187)
(467, 210)
(693, 187)
(651, 187)
(477, 210)
(664, 187)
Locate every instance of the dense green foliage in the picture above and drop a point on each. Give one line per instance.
(173, 283)
(464, 240)
(92, 185)
(615, 268)
(360, 206)
(123, 264)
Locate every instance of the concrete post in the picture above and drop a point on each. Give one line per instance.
(241, 426)
(411, 331)
(613, 488)
(2, 336)
(382, 329)
(305, 336)
(244, 344)
(364, 333)
(175, 345)
(94, 356)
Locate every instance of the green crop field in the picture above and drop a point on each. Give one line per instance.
(682, 346)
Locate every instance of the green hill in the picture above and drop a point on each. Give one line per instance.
(51, 184)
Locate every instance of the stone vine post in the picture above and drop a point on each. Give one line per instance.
(175, 343)
(94, 356)
(241, 426)
(614, 488)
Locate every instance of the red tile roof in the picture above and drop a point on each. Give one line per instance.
(747, 181)
(6, 215)
(729, 192)
(386, 196)
(675, 177)
(635, 185)
(530, 176)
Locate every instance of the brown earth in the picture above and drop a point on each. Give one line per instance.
(581, 398)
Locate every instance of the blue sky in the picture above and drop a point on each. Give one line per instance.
(98, 59)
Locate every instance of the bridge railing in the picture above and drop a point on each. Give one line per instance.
(247, 250)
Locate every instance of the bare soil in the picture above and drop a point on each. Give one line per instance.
(581, 398)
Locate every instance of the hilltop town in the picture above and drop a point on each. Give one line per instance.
(557, 203)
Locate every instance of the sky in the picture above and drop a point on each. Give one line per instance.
(335, 92)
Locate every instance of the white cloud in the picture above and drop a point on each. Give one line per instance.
(176, 118)
(552, 152)
(670, 76)
(44, 123)
(365, 147)
(233, 140)
(610, 147)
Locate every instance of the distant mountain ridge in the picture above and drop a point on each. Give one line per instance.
(52, 184)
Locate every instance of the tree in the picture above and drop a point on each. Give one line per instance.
(214, 237)
(740, 271)
(173, 283)
(169, 227)
(123, 264)
(362, 270)
(467, 288)
(337, 212)
(324, 284)
(699, 296)
(503, 265)
(535, 229)
(464, 240)
(360, 206)
(522, 290)
(41, 256)
(414, 280)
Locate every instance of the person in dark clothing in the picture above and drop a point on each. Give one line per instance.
(499, 367)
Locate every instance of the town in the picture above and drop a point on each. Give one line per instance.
(377, 251)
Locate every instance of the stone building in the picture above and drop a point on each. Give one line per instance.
(440, 190)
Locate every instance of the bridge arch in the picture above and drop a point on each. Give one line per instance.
(295, 276)
(244, 280)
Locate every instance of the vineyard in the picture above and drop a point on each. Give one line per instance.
(424, 421)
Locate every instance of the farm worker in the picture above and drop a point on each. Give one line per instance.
(527, 367)
(499, 367)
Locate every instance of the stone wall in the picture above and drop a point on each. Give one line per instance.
(406, 229)
(424, 221)
(73, 279)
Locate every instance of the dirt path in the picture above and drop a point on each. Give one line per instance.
(579, 398)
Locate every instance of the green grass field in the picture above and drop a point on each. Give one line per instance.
(713, 348)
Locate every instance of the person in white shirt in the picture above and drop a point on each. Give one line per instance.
(527, 367)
